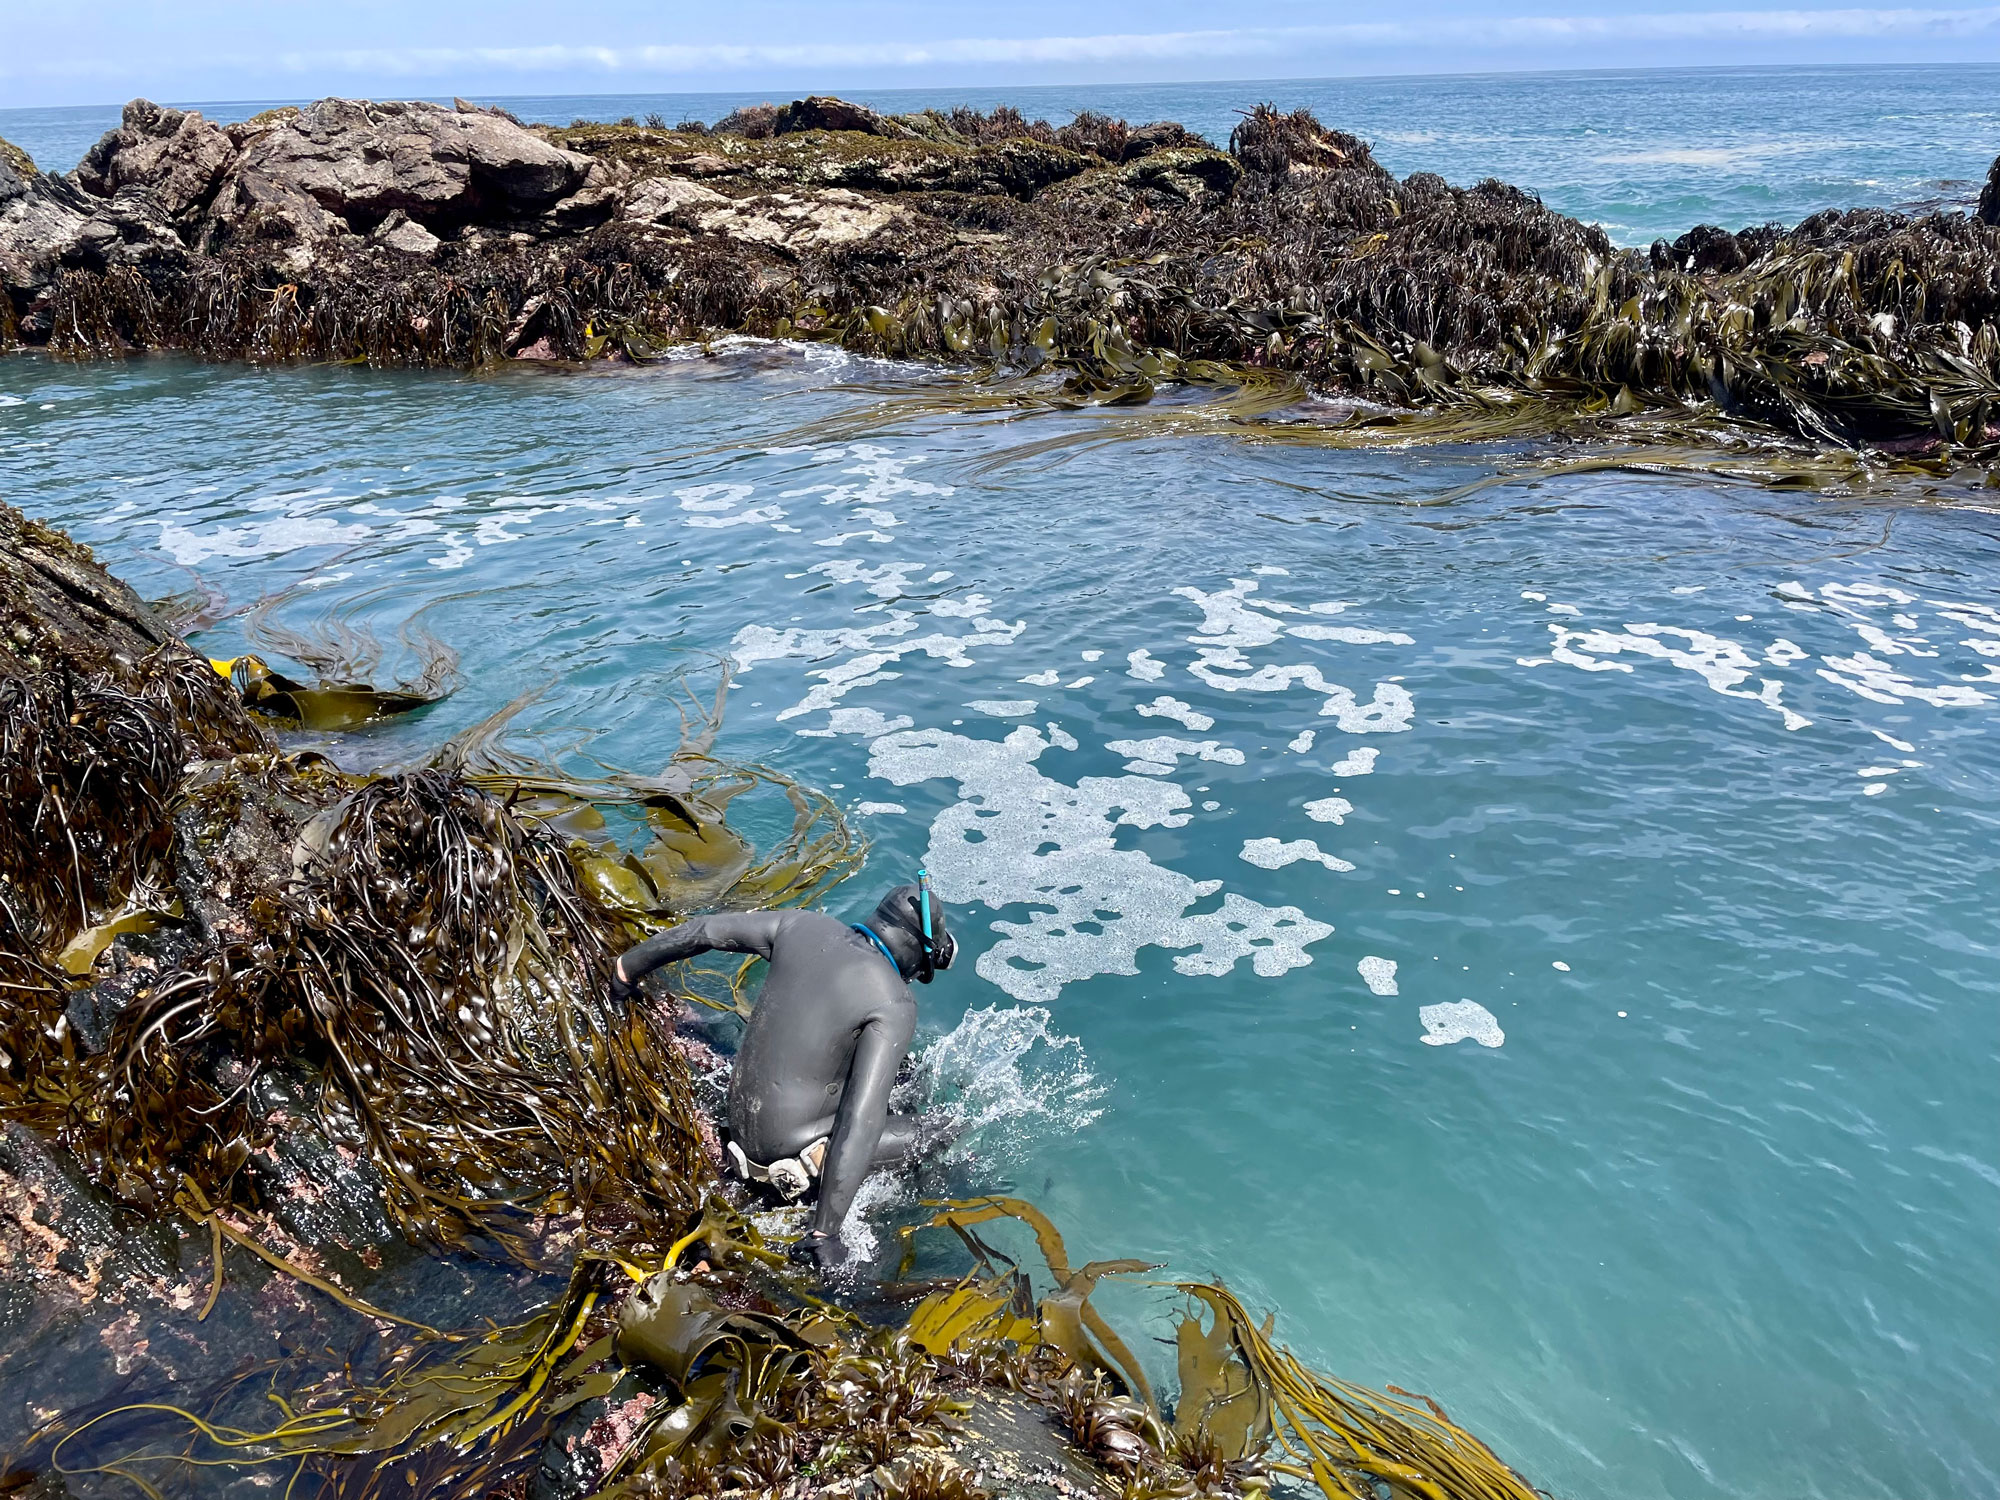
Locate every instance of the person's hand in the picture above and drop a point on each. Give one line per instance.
(623, 990)
(824, 1252)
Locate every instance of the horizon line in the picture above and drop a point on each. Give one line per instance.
(190, 102)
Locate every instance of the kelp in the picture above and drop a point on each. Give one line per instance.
(1246, 1408)
(692, 858)
(342, 657)
(412, 967)
(457, 1414)
(323, 708)
(426, 952)
(1134, 258)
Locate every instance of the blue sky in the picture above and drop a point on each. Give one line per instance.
(64, 52)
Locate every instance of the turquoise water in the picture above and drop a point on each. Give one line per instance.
(1665, 1154)
(1643, 153)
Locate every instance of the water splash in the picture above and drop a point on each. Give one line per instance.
(1003, 1076)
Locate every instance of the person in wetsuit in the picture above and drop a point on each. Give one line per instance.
(809, 1095)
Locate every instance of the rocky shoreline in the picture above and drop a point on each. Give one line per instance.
(1115, 257)
(312, 1093)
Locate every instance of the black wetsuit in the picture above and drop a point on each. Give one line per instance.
(823, 1043)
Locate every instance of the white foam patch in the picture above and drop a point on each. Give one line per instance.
(1042, 679)
(868, 722)
(1272, 854)
(878, 809)
(872, 650)
(1163, 752)
(272, 538)
(713, 498)
(1300, 742)
(876, 479)
(1460, 1021)
(715, 507)
(971, 607)
(1721, 663)
(1011, 708)
(1359, 762)
(1879, 682)
(886, 581)
(1140, 664)
(1329, 810)
(1019, 837)
(1233, 622)
(1379, 974)
(1184, 714)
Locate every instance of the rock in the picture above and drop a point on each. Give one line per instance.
(587, 207)
(178, 157)
(61, 1237)
(16, 166)
(1182, 172)
(660, 198)
(796, 222)
(400, 232)
(1707, 248)
(1988, 211)
(821, 112)
(57, 603)
(1161, 135)
(41, 218)
(342, 164)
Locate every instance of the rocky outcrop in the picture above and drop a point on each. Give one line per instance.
(168, 180)
(175, 155)
(39, 225)
(1988, 211)
(818, 112)
(343, 165)
(801, 221)
(415, 234)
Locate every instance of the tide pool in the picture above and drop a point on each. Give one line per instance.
(1538, 937)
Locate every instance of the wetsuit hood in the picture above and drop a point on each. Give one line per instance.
(898, 922)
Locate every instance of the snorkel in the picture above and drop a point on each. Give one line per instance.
(917, 918)
(928, 947)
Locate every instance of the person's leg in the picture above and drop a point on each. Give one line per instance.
(900, 1137)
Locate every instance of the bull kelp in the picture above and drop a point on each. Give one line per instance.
(268, 1022)
(1124, 258)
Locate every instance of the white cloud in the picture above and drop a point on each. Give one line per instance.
(1499, 33)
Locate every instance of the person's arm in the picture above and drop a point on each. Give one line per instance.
(864, 1109)
(728, 932)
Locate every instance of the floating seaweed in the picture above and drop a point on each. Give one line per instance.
(1246, 1408)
